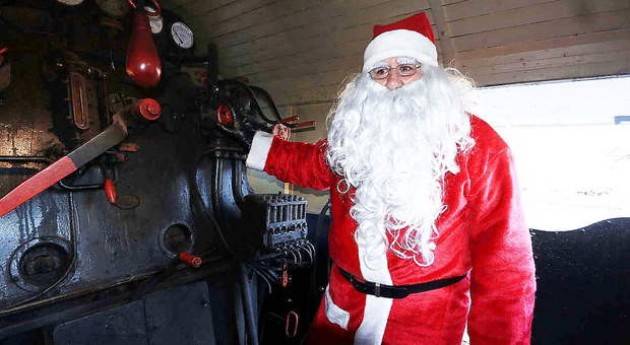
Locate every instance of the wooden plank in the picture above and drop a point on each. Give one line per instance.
(196, 3)
(340, 22)
(476, 8)
(345, 65)
(533, 14)
(319, 94)
(352, 49)
(539, 31)
(283, 18)
(308, 41)
(566, 72)
(517, 48)
(286, 15)
(551, 52)
(623, 54)
(294, 48)
(270, 11)
(214, 15)
(352, 61)
(298, 83)
(446, 48)
(315, 93)
(450, 2)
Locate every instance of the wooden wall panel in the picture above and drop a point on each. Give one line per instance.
(539, 13)
(517, 40)
(466, 9)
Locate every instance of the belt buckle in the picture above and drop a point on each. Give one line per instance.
(377, 289)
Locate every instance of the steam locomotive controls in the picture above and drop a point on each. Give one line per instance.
(125, 191)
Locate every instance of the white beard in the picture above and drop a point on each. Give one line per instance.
(395, 148)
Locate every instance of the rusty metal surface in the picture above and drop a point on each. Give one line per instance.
(25, 118)
(25, 123)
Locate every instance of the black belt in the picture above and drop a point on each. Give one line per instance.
(397, 291)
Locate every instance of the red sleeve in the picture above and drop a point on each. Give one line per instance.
(302, 164)
(503, 281)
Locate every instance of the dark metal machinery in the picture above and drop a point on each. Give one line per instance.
(159, 240)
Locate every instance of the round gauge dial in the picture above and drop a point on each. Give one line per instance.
(114, 8)
(182, 35)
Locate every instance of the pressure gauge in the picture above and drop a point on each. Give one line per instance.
(182, 35)
(70, 2)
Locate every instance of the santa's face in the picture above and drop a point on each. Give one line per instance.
(394, 79)
(394, 141)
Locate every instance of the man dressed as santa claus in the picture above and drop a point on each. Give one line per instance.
(427, 233)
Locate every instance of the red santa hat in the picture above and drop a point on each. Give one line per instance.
(410, 37)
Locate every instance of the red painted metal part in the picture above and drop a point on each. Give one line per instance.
(190, 260)
(111, 193)
(290, 119)
(224, 115)
(143, 62)
(149, 109)
(36, 184)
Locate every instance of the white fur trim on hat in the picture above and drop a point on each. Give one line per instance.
(400, 43)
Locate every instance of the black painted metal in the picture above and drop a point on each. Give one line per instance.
(113, 244)
(583, 280)
(180, 315)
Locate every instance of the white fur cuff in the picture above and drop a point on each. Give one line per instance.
(259, 151)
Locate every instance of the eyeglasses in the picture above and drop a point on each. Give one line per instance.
(404, 70)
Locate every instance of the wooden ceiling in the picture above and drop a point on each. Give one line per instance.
(303, 50)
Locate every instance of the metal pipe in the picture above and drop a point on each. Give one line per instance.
(248, 305)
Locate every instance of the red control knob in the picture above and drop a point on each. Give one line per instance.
(149, 109)
(190, 260)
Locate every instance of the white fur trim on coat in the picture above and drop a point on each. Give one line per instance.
(259, 151)
(377, 309)
(334, 313)
(399, 43)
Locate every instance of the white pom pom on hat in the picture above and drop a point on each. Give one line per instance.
(409, 37)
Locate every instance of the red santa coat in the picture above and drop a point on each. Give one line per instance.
(481, 234)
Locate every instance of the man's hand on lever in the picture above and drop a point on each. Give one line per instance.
(281, 131)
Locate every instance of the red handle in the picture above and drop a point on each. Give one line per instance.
(110, 191)
(303, 125)
(290, 119)
(143, 63)
(190, 260)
